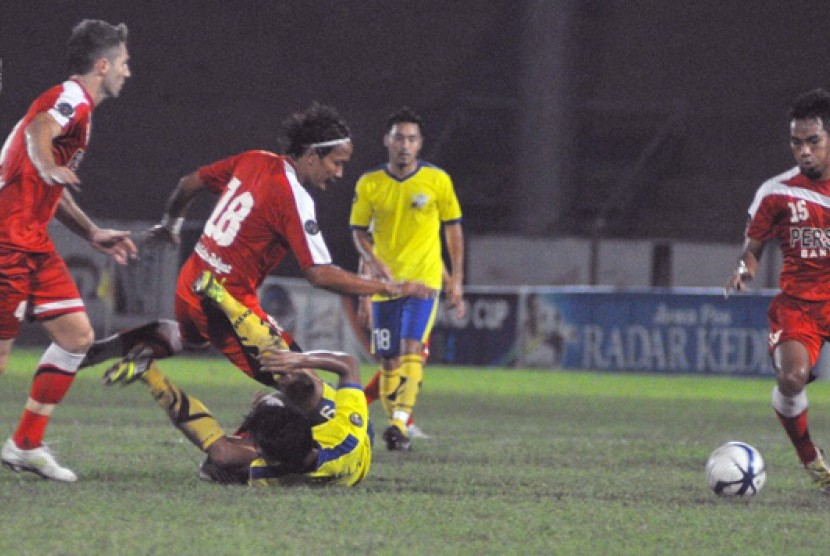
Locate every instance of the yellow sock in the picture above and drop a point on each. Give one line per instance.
(388, 388)
(252, 331)
(187, 413)
(412, 373)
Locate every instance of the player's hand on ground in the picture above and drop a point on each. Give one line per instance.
(115, 243)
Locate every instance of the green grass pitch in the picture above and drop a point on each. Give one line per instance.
(522, 462)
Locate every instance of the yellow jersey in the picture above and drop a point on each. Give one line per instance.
(344, 446)
(406, 217)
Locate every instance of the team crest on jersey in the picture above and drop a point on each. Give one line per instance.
(311, 227)
(65, 109)
(419, 201)
(356, 419)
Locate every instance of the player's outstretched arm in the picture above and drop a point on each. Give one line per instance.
(115, 243)
(170, 227)
(337, 362)
(334, 278)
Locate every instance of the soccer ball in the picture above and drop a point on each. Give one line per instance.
(736, 469)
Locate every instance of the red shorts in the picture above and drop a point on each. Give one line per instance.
(805, 322)
(199, 321)
(34, 286)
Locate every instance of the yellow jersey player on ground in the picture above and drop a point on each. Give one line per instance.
(341, 441)
(278, 441)
(406, 202)
(338, 451)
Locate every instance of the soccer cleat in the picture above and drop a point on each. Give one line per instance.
(39, 461)
(819, 472)
(414, 431)
(208, 287)
(396, 440)
(130, 367)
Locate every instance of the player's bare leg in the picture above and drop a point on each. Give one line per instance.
(789, 399)
(71, 335)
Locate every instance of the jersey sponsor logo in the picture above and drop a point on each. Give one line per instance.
(419, 201)
(812, 242)
(65, 109)
(214, 260)
(311, 227)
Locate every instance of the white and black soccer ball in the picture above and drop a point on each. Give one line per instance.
(736, 469)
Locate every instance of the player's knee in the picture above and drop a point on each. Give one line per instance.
(792, 381)
(82, 341)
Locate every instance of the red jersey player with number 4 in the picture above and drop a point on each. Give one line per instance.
(39, 159)
(794, 208)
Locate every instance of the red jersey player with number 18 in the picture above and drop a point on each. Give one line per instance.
(794, 208)
(39, 159)
(264, 211)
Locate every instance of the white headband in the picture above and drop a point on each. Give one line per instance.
(331, 143)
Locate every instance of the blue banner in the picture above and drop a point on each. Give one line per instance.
(649, 331)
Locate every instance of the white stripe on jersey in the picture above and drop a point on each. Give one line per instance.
(305, 208)
(73, 95)
(776, 186)
(65, 304)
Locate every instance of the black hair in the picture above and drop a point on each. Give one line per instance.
(404, 115)
(281, 434)
(90, 40)
(812, 104)
(298, 390)
(318, 124)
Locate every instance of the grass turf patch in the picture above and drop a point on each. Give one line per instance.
(522, 462)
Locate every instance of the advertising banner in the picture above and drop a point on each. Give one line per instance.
(651, 330)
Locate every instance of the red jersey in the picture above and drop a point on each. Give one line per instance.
(27, 203)
(263, 213)
(796, 211)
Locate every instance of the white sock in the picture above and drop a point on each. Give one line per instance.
(789, 406)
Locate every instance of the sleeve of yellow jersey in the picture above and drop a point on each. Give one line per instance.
(361, 215)
(448, 206)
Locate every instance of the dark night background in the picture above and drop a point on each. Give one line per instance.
(662, 118)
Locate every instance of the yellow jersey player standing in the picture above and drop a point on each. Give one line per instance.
(398, 211)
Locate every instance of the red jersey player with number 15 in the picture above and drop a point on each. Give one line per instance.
(794, 208)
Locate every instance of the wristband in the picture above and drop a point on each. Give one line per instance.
(743, 270)
(173, 225)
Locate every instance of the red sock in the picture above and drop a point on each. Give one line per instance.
(49, 387)
(372, 388)
(799, 433)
